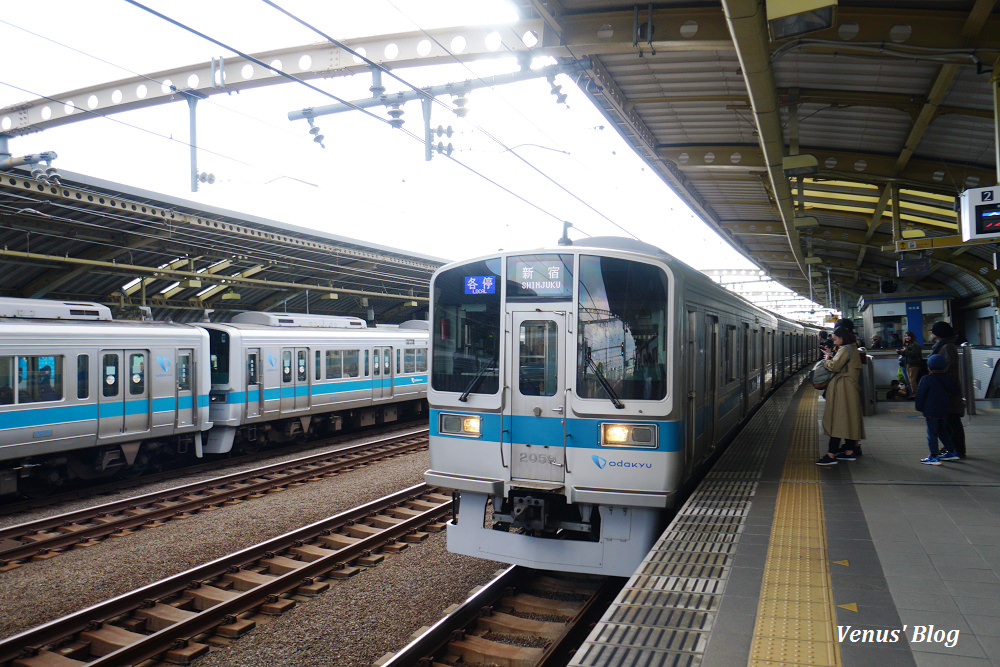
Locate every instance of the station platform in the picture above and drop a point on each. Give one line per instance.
(777, 561)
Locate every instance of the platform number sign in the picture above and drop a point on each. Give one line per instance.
(981, 214)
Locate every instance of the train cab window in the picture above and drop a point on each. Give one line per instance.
(286, 366)
(538, 360)
(110, 375)
(137, 374)
(421, 360)
(623, 328)
(6, 380)
(82, 375)
(333, 364)
(218, 343)
(467, 328)
(302, 372)
(351, 363)
(184, 371)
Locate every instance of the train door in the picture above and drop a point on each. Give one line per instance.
(694, 361)
(185, 395)
(538, 396)
(711, 373)
(382, 372)
(255, 393)
(294, 379)
(123, 405)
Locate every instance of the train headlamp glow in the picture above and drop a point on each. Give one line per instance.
(466, 425)
(628, 435)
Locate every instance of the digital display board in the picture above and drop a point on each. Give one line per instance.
(480, 284)
(980, 213)
(540, 277)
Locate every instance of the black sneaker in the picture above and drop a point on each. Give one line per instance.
(826, 461)
(844, 456)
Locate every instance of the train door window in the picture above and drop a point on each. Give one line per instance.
(82, 375)
(286, 365)
(252, 369)
(351, 363)
(110, 381)
(538, 362)
(302, 372)
(421, 360)
(411, 359)
(184, 371)
(6, 380)
(332, 364)
(387, 361)
(377, 366)
(137, 374)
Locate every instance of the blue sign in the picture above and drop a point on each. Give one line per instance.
(480, 284)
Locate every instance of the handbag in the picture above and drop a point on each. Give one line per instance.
(820, 376)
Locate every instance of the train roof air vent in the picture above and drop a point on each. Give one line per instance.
(300, 320)
(43, 309)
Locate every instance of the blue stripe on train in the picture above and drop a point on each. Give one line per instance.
(63, 414)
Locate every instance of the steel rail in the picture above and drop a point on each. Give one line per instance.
(144, 511)
(59, 630)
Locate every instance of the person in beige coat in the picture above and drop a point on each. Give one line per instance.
(843, 417)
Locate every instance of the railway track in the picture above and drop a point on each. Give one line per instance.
(49, 537)
(523, 618)
(176, 619)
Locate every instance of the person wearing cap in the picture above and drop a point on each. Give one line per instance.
(934, 400)
(944, 344)
(843, 416)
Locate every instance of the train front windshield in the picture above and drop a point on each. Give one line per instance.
(622, 329)
(467, 325)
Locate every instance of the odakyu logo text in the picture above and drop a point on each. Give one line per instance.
(603, 463)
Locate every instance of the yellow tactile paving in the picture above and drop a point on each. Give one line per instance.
(795, 616)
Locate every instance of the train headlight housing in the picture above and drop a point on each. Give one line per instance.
(469, 426)
(628, 435)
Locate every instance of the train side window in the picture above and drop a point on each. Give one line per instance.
(39, 379)
(351, 363)
(110, 382)
(410, 358)
(332, 364)
(83, 376)
(303, 366)
(6, 380)
(137, 374)
(366, 363)
(422, 360)
(184, 371)
(286, 366)
(399, 361)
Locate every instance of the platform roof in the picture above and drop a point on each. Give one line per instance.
(83, 238)
(895, 101)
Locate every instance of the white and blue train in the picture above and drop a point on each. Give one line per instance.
(84, 396)
(574, 390)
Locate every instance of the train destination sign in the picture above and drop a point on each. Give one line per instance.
(540, 276)
(480, 284)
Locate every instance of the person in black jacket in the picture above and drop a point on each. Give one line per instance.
(944, 344)
(934, 400)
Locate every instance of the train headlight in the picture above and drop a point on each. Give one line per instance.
(628, 435)
(469, 426)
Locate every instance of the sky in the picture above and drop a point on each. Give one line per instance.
(370, 182)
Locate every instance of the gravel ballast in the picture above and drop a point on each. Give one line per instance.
(354, 623)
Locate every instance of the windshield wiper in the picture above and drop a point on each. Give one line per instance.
(479, 376)
(604, 383)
